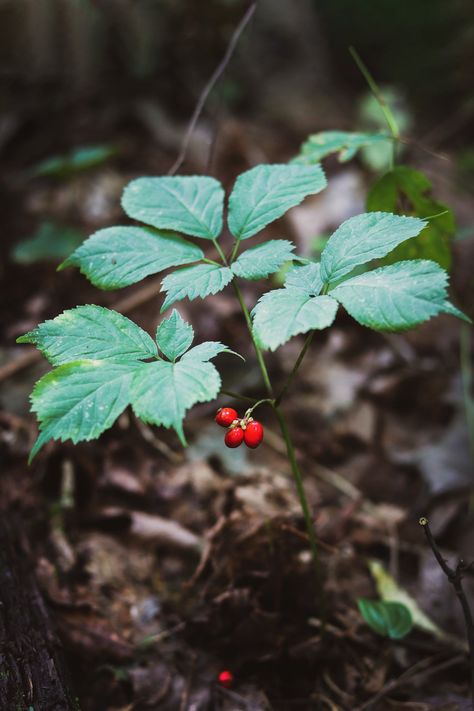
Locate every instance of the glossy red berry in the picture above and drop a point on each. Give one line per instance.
(234, 437)
(226, 678)
(253, 434)
(225, 416)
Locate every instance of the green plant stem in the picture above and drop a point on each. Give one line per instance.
(379, 97)
(304, 507)
(235, 250)
(294, 370)
(465, 357)
(261, 362)
(237, 396)
(257, 404)
(219, 251)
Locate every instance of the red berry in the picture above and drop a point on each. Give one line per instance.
(225, 416)
(226, 678)
(234, 437)
(253, 434)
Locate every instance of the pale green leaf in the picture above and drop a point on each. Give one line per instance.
(118, 256)
(80, 400)
(390, 591)
(78, 160)
(174, 336)
(208, 350)
(191, 204)
(263, 194)
(322, 144)
(306, 278)
(284, 313)
(162, 392)
(363, 238)
(193, 282)
(389, 619)
(396, 297)
(264, 259)
(51, 242)
(90, 332)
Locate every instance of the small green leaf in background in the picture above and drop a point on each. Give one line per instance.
(263, 194)
(378, 156)
(174, 336)
(363, 238)
(192, 205)
(405, 190)
(80, 400)
(51, 242)
(389, 619)
(91, 332)
(119, 256)
(78, 160)
(264, 259)
(346, 144)
(397, 297)
(193, 282)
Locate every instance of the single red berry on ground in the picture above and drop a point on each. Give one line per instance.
(226, 678)
(234, 437)
(225, 416)
(253, 434)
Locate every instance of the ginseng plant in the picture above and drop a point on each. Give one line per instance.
(103, 362)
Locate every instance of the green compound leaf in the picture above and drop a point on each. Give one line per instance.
(389, 619)
(80, 400)
(193, 282)
(363, 238)
(162, 392)
(397, 297)
(284, 313)
(208, 350)
(263, 194)
(90, 332)
(306, 278)
(119, 256)
(412, 189)
(264, 259)
(322, 144)
(174, 336)
(193, 205)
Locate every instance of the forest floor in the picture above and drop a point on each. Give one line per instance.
(164, 567)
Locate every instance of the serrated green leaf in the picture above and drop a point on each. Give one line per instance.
(397, 297)
(193, 282)
(162, 392)
(119, 256)
(306, 278)
(208, 350)
(174, 336)
(320, 145)
(263, 194)
(51, 242)
(192, 204)
(264, 259)
(363, 238)
(411, 188)
(90, 332)
(78, 160)
(80, 400)
(389, 619)
(284, 313)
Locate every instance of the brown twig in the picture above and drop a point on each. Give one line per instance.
(455, 576)
(210, 85)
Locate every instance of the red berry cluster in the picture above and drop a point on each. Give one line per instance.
(239, 430)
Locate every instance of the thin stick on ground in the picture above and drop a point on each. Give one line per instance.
(455, 577)
(210, 85)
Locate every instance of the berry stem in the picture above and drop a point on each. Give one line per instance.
(261, 362)
(255, 405)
